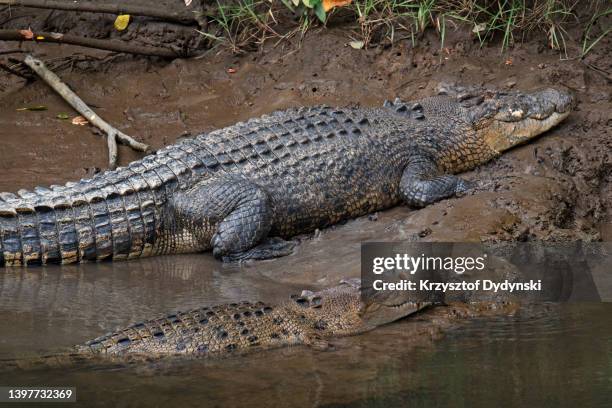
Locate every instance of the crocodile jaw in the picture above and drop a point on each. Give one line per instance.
(502, 135)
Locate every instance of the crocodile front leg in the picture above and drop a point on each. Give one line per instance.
(423, 184)
(237, 212)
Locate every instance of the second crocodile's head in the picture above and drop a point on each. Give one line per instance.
(348, 308)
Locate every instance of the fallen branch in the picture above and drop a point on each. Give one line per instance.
(109, 45)
(168, 14)
(113, 135)
(15, 51)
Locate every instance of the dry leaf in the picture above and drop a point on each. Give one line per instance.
(330, 4)
(479, 28)
(27, 34)
(508, 61)
(79, 120)
(187, 3)
(357, 44)
(231, 70)
(122, 21)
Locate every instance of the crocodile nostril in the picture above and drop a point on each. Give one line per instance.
(302, 302)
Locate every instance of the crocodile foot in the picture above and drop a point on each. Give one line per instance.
(271, 248)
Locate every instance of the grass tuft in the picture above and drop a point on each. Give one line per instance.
(242, 24)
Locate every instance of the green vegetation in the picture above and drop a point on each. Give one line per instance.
(244, 23)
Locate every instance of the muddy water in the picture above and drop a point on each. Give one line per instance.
(559, 356)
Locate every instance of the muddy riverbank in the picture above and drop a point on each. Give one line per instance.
(557, 187)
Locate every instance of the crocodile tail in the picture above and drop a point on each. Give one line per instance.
(79, 223)
(66, 359)
(36, 236)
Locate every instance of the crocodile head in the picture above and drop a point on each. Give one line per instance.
(344, 310)
(504, 120)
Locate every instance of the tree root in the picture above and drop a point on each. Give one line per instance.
(179, 16)
(109, 45)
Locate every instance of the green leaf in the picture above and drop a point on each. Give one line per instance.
(63, 116)
(320, 12)
(296, 2)
(311, 3)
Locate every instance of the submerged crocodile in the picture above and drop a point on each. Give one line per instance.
(242, 189)
(309, 319)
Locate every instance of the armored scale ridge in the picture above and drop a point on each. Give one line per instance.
(241, 190)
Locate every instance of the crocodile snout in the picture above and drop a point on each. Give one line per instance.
(562, 99)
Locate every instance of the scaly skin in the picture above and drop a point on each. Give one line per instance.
(238, 190)
(238, 328)
(310, 319)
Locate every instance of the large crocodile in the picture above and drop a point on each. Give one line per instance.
(310, 319)
(240, 189)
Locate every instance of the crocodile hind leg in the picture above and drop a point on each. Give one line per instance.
(423, 184)
(239, 211)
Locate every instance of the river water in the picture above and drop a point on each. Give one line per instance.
(555, 356)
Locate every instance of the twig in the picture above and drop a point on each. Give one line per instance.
(598, 70)
(168, 14)
(14, 72)
(109, 45)
(15, 51)
(113, 135)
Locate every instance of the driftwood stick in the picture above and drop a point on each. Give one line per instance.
(169, 14)
(77, 103)
(109, 45)
(111, 141)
